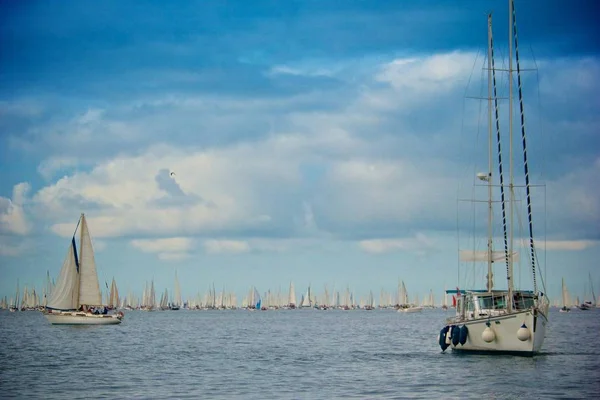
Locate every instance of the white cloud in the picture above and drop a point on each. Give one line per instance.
(175, 244)
(301, 71)
(173, 256)
(282, 245)
(50, 166)
(416, 81)
(431, 74)
(418, 244)
(123, 196)
(562, 245)
(226, 246)
(12, 215)
(91, 115)
(374, 169)
(366, 191)
(166, 249)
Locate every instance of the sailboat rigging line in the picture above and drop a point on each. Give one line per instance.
(502, 197)
(75, 231)
(525, 165)
(75, 245)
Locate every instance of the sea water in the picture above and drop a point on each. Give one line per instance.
(286, 354)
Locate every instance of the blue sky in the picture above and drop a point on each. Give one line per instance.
(323, 142)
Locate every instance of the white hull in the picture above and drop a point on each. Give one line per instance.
(81, 318)
(505, 329)
(410, 309)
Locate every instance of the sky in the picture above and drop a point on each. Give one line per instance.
(319, 142)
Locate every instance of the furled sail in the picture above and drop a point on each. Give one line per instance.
(482, 256)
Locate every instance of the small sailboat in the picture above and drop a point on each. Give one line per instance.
(254, 301)
(77, 291)
(177, 303)
(113, 297)
(565, 298)
(14, 304)
(369, 305)
(588, 303)
(445, 301)
(307, 299)
(164, 300)
(404, 305)
(148, 297)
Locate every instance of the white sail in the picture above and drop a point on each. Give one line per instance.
(89, 287)
(17, 295)
(292, 295)
(152, 296)
(177, 297)
(335, 298)
(566, 301)
(65, 295)
(25, 298)
(164, 300)
(113, 298)
(403, 295)
(306, 301)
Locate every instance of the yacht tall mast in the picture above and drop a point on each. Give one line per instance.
(490, 281)
(509, 275)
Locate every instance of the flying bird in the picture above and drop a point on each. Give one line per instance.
(172, 173)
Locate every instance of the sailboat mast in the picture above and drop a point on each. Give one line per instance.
(490, 281)
(509, 275)
(564, 297)
(81, 221)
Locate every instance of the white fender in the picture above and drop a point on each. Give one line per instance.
(488, 335)
(523, 333)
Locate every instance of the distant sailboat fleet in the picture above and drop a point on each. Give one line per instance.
(27, 300)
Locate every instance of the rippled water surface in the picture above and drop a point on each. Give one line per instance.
(286, 354)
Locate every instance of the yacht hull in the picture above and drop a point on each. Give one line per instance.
(410, 309)
(505, 338)
(80, 318)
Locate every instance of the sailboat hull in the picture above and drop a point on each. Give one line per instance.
(505, 338)
(410, 309)
(80, 318)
